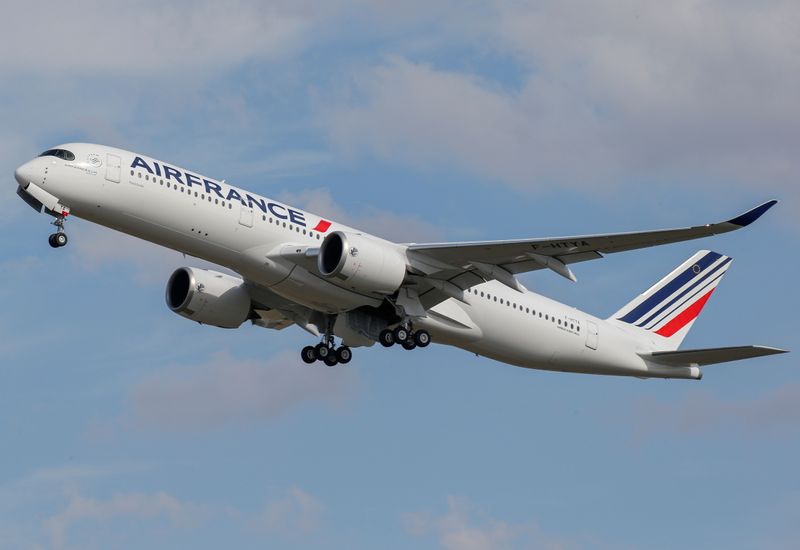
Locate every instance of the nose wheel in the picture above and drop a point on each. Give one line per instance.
(59, 238)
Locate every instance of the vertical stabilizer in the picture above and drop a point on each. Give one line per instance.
(669, 308)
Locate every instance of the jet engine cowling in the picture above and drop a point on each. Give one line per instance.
(362, 263)
(208, 297)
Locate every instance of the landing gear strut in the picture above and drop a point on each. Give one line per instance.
(327, 352)
(406, 336)
(59, 238)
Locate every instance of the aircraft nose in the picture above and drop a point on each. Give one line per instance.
(25, 174)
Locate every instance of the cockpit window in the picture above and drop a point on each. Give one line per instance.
(60, 153)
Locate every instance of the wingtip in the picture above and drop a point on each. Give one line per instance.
(753, 214)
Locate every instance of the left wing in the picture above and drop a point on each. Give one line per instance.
(446, 269)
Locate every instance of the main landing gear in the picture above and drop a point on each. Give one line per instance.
(327, 352)
(59, 238)
(405, 336)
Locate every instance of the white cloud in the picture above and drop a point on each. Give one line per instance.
(383, 223)
(139, 506)
(119, 38)
(697, 413)
(609, 92)
(225, 390)
(297, 513)
(459, 530)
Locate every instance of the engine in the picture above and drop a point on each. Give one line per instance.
(208, 297)
(361, 263)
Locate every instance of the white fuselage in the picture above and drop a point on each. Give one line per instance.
(246, 232)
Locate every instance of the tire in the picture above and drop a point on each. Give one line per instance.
(400, 335)
(52, 240)
(422, 338)
(409, 344)
(386, 338)
(331, 360)
(321, 351)
(60, 239)
(344, 355)
(309, 354)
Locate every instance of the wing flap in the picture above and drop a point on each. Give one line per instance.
(708, 356)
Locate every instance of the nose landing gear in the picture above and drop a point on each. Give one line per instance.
(59, 238)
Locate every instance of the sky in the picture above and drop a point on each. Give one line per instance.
(126, 426)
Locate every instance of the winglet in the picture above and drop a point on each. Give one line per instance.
(753, 214)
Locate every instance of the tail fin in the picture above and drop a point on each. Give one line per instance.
(669, 308)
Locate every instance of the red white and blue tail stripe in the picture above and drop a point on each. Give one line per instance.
(670, 307)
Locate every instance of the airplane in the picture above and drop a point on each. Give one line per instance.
(297, 268)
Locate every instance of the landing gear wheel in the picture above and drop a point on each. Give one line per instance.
(57, 240)
(309, 354)
(400, 335)
(343, 355)
(409, 344)
(331, 360)
(386, 338)
(422, 338)
(321, 351)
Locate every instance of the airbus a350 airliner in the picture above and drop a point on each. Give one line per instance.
(335, 281)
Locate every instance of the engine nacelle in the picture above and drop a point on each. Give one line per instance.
(208, 297)
(361, 263)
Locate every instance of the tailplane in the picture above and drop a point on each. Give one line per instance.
(669, 308)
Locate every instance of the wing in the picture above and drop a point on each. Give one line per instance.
(446, 269)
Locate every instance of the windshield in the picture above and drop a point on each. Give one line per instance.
(60, 153)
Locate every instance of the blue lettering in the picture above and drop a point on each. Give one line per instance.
(297, 217)
(272, 206)
(138, 162)
(259, 202)
(233, 195)
(174, 173)
(211, 186)
(158, 168)
(192, 180)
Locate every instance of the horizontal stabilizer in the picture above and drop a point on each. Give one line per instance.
(709, 356)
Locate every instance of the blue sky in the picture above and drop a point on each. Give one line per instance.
(126, 426)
